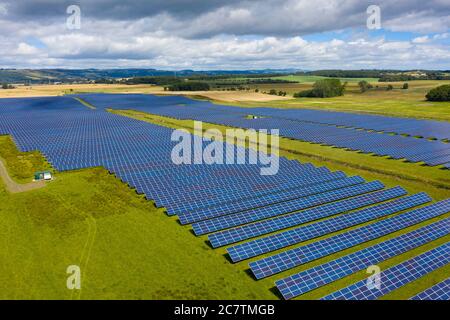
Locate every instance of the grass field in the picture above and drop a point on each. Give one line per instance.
(128, 249)
(398, 102)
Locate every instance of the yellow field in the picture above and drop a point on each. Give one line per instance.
(57, 90)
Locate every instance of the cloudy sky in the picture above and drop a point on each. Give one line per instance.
(225, 34)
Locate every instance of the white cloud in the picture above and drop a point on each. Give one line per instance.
(26, 49)
(441, 36)
(244, 34)
(423, 39)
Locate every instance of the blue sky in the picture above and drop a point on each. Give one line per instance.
(213, 34)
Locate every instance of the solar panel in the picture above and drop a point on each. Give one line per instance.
(297, 256)
(237, 219)
(287, 238)
(269, 199)
(334, 270)
(397, 276)
(440, 291)
(323, 127)
(260, 228)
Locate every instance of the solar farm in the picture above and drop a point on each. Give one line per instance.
(296, 232)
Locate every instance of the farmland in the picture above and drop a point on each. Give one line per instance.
(128, 249)
(398, 102)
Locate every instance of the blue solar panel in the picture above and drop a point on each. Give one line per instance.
(72, 136)
(334, 270)
(315, 126)
(267, 226)
(396, 276)
(412, 127)
(440, 291)
(295, 257)
(288, 238)
(269, 199)
(237, 219)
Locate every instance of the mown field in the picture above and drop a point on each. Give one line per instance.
(128, 249)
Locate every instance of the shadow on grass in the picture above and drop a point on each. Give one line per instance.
(276, 292)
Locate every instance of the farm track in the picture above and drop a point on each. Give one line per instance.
(15, 187)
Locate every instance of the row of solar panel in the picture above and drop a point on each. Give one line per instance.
(396, 276)
(399, 147)
(413, 127)
(214, 197)
(337, 269)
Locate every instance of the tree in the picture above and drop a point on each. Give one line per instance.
(273, 92)
(304, 94)
(405, 86)
(189, 86)
(441, 93)
(364, 86)
(326, 88)
(390, 87)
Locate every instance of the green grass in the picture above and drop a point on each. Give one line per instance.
(125, 247)
(21, 166)
(398, 103)
(128, 249)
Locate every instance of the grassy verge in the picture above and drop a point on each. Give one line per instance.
(85, 103)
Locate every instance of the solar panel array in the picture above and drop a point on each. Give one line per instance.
(321, 127)
(440, 291)
(289, 259)
(334, 270)
(397, 276)
(260, 228)
(230, 203)
(288, 238)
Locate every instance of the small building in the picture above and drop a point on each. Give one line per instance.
(44, 175)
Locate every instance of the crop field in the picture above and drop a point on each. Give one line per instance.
(126, 244)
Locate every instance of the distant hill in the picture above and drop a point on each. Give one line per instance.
(71, 75)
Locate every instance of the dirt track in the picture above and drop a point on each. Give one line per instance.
(15, 187)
